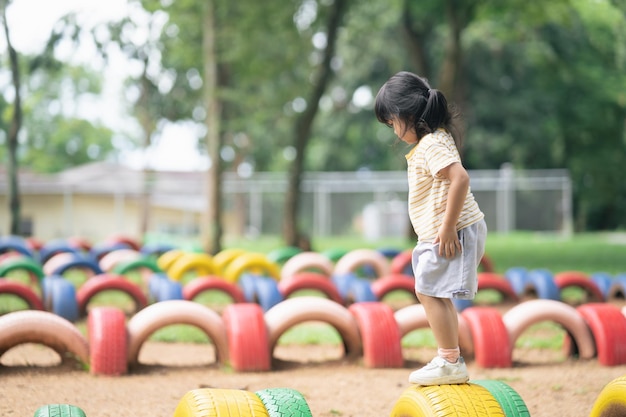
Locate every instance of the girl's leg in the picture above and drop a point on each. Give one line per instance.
(443, 319)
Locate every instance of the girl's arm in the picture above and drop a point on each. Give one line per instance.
(447, 236)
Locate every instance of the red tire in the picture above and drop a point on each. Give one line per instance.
(380, 335)
(30, 326)
(106, 327)
(580, 280)
(608, 326)
(402, 262)
(247, 337)
(413, 317)
(293, 311)
(486, 265)
(22, 291)
(208, 283)
(310, 281)
(525, 314)
(106, 282)
(165, 313)
(388, 283)
(492, 348)
(497, 282)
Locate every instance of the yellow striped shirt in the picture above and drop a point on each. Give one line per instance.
(428, 189)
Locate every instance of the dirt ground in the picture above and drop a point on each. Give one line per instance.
(33, 375)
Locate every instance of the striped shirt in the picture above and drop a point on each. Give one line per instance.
(428, 189)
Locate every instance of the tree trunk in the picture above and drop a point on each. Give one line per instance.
(304, 123)
(211, 225)
(14, 129)
(147, 126)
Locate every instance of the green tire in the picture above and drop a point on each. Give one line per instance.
(59, 410)
(511, 402)
(284, 402)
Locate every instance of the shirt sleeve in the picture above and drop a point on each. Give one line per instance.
(438, 157)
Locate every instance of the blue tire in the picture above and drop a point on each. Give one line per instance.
(544, 285)
(63, 299)
(518, 278)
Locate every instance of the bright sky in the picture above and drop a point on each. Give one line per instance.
(31, 22)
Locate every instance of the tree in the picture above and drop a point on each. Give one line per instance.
(14, 130)
(303, 124)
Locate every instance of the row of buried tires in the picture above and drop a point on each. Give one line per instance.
(244, 336)
(484, 398)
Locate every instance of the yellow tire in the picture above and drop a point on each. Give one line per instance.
(209, 402)
(447, 401)
(167, 259)
(224, 257)
(612, 399)
(256, 263)
(201, 263)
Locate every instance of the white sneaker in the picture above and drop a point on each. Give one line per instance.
(440, 372)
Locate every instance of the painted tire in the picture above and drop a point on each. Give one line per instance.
(169, 290)
(612, 399)
(580, 280)
(492, 348)
(109, 261)
(284, 402)
(382, 347)
(56, 261)
(22, 263)
(16, 244)
(81, 262)
(106, 328)
(267, 293)
(247, 283)
(617, 290)
(247, 337)
(53, 247)
(447, 401)
(294, 311)
(22, 291)
(282, 255)
(97, 252)
(402, 263)
(154, 250)
(124, 268)
(310, 281)
(166, 259)
(31, 326)
(343, 282)
(334, 254)
(525, 314)
(355, 259)
(497, 282)
(166, 313)
(542, 282)
(63, 300)
(413, 317)
(211, 283)
(251, 262)
(485, 264)
(59, 410)
(603, 282)
(510, 401)
(106, 282)
(306, 262)
(360, 291)
(200, 263)
(217, 402)
(608, 326)
(224, 257)
(154, 282)
(518, 278)
(384, 285)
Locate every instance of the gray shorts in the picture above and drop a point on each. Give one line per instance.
(438, 276)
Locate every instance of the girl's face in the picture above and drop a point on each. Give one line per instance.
(405, 135)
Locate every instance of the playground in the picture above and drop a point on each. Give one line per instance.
(102, 360)
(549, 385)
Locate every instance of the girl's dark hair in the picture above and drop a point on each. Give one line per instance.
(409, 98)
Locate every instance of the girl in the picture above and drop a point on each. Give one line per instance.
(447, 220)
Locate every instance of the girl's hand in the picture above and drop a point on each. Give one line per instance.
(448, 241)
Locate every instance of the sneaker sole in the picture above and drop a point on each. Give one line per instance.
(441, 381)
